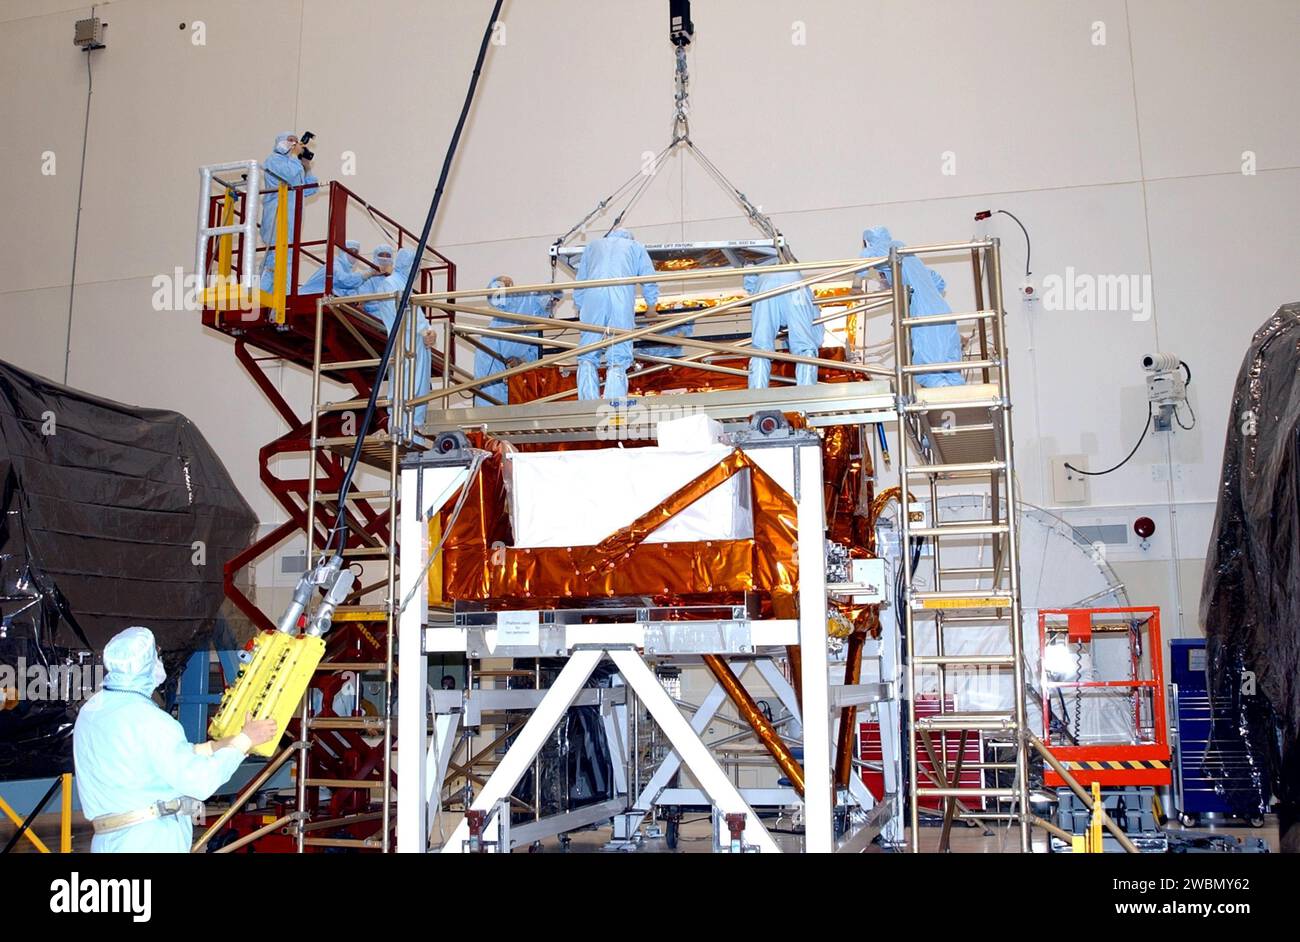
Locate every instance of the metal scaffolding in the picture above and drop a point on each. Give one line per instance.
(431, 464)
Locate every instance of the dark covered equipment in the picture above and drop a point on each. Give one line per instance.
(110, 516)
(1250, 599)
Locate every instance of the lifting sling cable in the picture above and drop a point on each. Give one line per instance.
(600, 206)
(650, 174)
(341, 526)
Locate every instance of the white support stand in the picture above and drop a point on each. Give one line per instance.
(797, 466)
(708, 708)
(616, 736)
(441, 746)
(781, 687)
(530, 740)
(424, 490)
(703, 766)
(819, 823)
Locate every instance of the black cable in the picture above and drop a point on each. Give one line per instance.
(1092, 474)
(1186, 402)
(76, 228)
(1078, 691)
(1065, 723)
(384, 358)
(1028, 246)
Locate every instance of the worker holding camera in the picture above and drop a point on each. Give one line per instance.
(290, 164)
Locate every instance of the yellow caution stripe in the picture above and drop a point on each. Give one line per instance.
(974, 601)
(1109, 765)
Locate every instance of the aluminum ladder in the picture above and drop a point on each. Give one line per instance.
(960, 433)
(382, 452)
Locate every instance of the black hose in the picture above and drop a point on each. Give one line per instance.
(1092, 474)
(1028, 246)
(384, 358)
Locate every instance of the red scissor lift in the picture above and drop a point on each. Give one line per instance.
(284, 330)
(1142, 761)
(290, 336)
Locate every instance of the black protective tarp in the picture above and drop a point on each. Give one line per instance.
(1250, 598)
(110, 516)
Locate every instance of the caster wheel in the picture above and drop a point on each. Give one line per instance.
(1256, 822)
(1189, 820)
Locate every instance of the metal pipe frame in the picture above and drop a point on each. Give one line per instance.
(706, 274)
(247, 228)
(642, 332)
(253, 785)
(696, 358)
(260, 832)
(468, 331)
(706, 347)
(683, 736)
(1012, 539)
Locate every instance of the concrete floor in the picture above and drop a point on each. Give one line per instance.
(694, 839)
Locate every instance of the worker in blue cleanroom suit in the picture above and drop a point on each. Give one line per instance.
(506, 353)
(379, 281)
(793, 310)
(938, 344)
(617, 255)
(282, 166)
(384, 278)
(139, 779)
(346, 277)
(403, 261)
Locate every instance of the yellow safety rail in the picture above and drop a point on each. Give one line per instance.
(225, 242)
(227, 295)
(65, 819)
(281, 253)
(435, 571)
(65, 816)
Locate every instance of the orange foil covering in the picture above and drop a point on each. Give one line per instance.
(480, 564)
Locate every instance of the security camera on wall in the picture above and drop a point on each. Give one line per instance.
(1167, 379)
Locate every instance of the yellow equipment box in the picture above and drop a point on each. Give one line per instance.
(271, 684)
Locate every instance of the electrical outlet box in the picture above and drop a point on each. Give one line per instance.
(918, 515)
(1069, 487)
(1030, 293)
